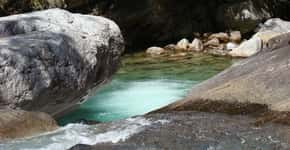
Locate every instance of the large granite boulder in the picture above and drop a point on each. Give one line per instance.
(49, 60)
(19, 124)
(259, 84)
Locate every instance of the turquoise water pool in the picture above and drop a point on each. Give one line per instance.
(147, 83)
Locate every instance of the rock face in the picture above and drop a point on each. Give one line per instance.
(19, 124)
(254, 85)
(50, 59)
(155, 22)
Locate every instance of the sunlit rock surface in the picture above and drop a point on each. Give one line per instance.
(257, 85)
(50, 59)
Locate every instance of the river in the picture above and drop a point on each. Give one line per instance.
(141, 85)
(147, 83)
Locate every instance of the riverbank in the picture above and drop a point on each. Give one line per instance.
(197, 130)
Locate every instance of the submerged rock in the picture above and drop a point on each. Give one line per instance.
(51, 59)
(19, 124)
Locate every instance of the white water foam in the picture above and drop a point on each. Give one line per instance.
(74, 134)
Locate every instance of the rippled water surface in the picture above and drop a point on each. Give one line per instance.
(145, 83)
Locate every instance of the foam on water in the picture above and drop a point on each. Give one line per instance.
(73, 134)
(144, 84)
(123, 99)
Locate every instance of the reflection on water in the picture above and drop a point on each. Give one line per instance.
(145, 83)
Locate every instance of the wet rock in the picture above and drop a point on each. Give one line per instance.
(51, 60)
(235, 36)
(223, 37)
(155, 51)
(182, 45)
(19, 124)
(213, 43)
(196, 45)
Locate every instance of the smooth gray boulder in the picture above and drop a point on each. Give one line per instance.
(50, 60)
(257, 85)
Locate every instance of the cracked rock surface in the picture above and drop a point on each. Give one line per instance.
(50, 59)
